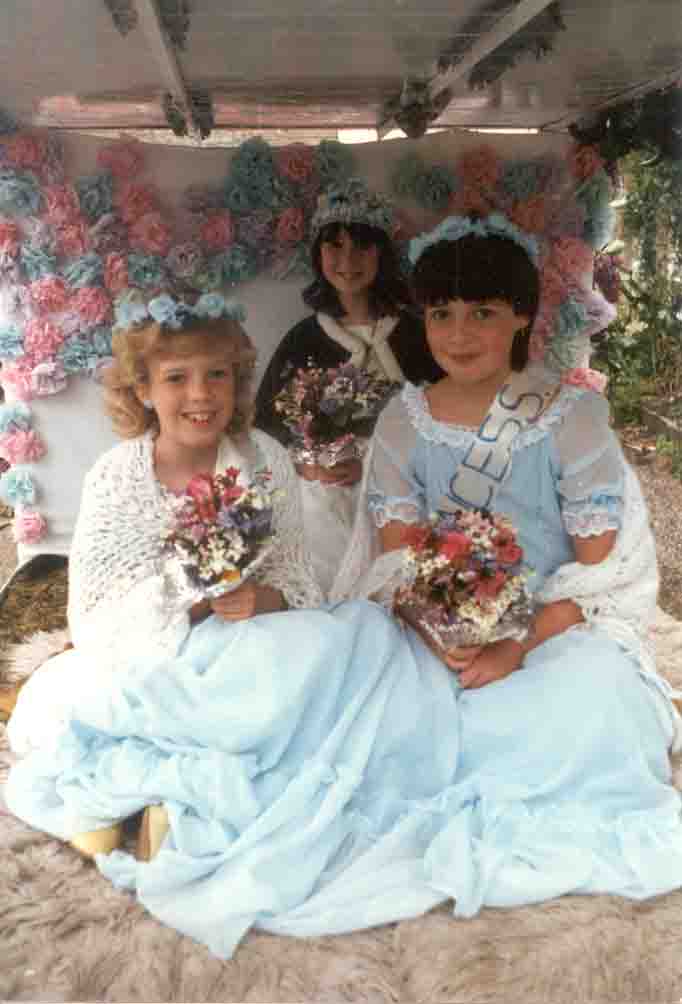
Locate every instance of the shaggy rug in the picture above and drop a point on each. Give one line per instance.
(67, 935)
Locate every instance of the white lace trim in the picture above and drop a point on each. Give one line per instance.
(434, 431)
(588, 520)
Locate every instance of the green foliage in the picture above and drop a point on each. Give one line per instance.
(672, 448)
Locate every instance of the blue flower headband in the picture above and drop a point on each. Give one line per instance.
(352, 202)
(453, 228)
(130, 311)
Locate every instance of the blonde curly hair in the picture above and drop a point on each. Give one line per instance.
(128, 374)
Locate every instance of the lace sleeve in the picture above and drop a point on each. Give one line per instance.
(288, 566)
(393, 492)
(591, 470)
(121, 601)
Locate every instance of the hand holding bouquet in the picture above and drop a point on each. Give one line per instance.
(326, 410)
(220, 531)
(467, 587)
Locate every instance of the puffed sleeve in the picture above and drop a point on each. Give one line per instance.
(591, 469)
(393, 491)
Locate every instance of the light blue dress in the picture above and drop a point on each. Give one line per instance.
(323, 771)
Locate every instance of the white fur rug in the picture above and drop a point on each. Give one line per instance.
(67, 935)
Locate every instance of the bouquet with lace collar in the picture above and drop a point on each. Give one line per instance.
(326, 410)
(220, 531)
(466, 581)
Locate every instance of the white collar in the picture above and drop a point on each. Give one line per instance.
(361, 349)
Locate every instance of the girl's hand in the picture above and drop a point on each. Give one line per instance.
(247, 601)
(347, 473)
(494, 662)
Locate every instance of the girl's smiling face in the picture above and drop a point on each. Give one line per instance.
(472, 341)
(350, 267)
(192, 394)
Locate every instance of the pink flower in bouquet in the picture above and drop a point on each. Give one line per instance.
(530, 215)
(454, 546)
(480, 168)
(507, 550)
(584, 161)
(572, 256)
(124, 160)
(92, 304)
(582, 376)
(116, 272)
(151, 234)
(62, 203)
(48, 378)
(135, 201)
(217, 231)
(491, 586)
(9, 237)
(296, 162)
(26, 150)
(290, 226)
(42, 338)
(18, 376)
(29, 527)
(48, 295)
(200, 489)
(416, 537)
(23, 446)
(72, 238)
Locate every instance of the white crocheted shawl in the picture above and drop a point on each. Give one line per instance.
(124, 602)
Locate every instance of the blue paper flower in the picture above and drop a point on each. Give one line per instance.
(77, 355)
(238, 197)
(96, 195)
(7, 123)
(594, 196)
(406, 174)
(37, 263)
(129, 310)
(101, 342)
(434, 188)
(88, 270)
(523, 179)
(571, 318)
(11, 343)
(14, 416)
(17, 487)
(19, 193)
(214, 305)
(146, 270)
(253, 159)
(334, 161)
(237, 264)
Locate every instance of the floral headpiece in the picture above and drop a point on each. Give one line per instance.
(453, 228)
(131, 311)
(352, 202)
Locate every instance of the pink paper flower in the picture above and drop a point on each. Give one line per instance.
(530, 215)
(62, 203)
(572, 257)
(29, 527)
(9, 237)
(470, 199)
(23, 446)
(72, 238)
(18, 376)
(584, 161)
(26, 150)
(92, 304)
(42, 339)
(296, 162)
(217, 231)
(48, 295)
(135, 201)
(48, 378)
(552, 286)
(582, 376)
(480, 169)
(124, 160)
(290, 226)
(115, 272)
(151, 234)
